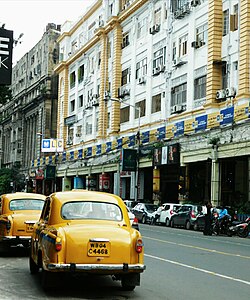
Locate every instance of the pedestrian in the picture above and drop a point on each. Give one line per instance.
(208, 219)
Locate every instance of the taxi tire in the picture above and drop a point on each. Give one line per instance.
(130, 281)
(46, 281)
(34, 268)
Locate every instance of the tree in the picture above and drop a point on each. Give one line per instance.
(8, 176)
(5, 94)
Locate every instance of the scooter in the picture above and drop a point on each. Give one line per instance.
(241, 229)
(221, 226)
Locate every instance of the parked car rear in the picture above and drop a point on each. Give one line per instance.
(186, 215)
(167, 211)
(144, 212)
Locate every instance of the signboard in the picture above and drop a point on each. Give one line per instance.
(50, 172)
(52, 145)
(6, 45)
(129, 159)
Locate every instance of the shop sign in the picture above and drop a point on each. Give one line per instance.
(129, 159)
(39, 174)
(104, 182)
(50, 172)
(6, 46)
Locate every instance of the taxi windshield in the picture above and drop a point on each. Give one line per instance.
(26, 204)
(91, 210)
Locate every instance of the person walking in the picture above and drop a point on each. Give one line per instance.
(208, 219)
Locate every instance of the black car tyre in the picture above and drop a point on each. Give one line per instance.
(152, 221)
(196, 227)
(34, 268)
(167, 222)
(243, 233)
(172, 223)
(143, 220)
(188, 225)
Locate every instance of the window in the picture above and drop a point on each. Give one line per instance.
(174, 51)
(124, 114)
(234, 19)
(125, 40)
(89, 125)
(142, 105)
(74, 46)
(142, 27)
(159, 57)
(156, 103)
(126, 76)
(179, 94)
(157, 16)
(72, 79)
(141, 68)
(72, 105)
(80, 73)
(183, 45)
(225, 22)
(200, 87)
(224, 70)
(201, 35)
(80, 101)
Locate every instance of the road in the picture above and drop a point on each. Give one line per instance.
(180, 264)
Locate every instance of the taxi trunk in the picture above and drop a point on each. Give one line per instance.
(23, 223)
(104, 244)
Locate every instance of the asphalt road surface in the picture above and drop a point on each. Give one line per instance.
(181, 264)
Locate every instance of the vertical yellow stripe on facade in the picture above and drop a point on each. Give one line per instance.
(104, 80)
(116, 78)
(215, 25)
(243, 84)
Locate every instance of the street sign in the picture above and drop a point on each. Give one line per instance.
(6, 45)
(52, 145)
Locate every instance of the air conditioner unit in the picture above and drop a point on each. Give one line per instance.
(156, 71)
(126, 92)
(178, 62)
(185, 9)
(101, 23)
(106, 94)
(178, 14)
(176, 109)
(95, 102)
(230, 92)
(194, 3)
(221, 94)
(88, 105)
(201, 43)
(78, 134)
(161, 68)
(154, 29)
(195, 44)
(141, 80)
(69, 142)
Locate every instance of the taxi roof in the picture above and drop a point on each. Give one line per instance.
(23, 195)
(83, 195)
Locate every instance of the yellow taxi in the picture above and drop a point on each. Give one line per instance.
(18, 214)
(89, 232)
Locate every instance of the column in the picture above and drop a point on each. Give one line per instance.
(215, 182)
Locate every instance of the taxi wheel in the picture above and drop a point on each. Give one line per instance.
(34, 268)
(46, 279)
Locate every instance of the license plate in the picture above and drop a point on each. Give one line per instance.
(98, 249)
(29, 227)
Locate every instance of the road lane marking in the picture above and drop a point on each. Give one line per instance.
(196, 247)
(210, 238)
(198, 269)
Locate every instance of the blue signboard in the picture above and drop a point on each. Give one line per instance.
(119, 143)
(179, 129)
(200, 123)
(145, 137)
(108, 146)
(161, 133)
(64, 156)
(98, 149)
(79, 154)
(227, 115)
(71, 155)
(89, 151)
(131, 140)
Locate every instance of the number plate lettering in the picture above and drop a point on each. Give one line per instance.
(98, 249)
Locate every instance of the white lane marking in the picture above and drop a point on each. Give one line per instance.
(196, 247)
(198, 269)
(201, 237)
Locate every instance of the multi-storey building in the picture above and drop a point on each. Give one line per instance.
(32, 113)
(184, 64)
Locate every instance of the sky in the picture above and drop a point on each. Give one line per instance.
(30, 17)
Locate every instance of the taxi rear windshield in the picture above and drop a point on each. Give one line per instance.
(26, 204)
(91, 210)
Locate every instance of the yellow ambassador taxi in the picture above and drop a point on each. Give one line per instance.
(89, 232)
(18, 213)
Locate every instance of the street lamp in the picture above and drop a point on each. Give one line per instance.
(138, 108)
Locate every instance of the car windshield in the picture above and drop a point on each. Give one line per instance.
(91, 210)
(26, 204)
(151, 207)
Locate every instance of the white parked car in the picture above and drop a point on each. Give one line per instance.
(168, 209)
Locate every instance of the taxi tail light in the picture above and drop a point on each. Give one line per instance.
(193, 214)
(139, 245)
(135, 221)
(58, 244)
(8, 225)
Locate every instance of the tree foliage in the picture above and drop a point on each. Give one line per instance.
(11, 180)
(5, 94)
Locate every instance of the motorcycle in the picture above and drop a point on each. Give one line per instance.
(241, 229)
(221, 226)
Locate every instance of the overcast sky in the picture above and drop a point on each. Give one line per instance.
(30, 17)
